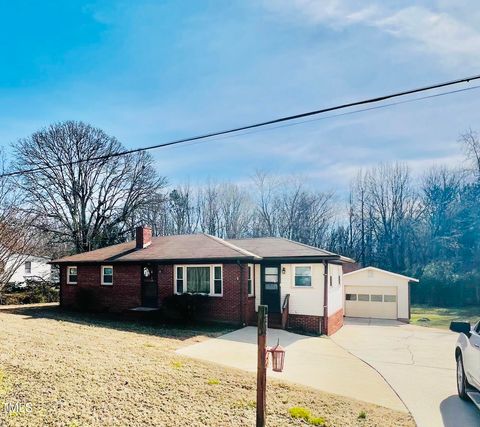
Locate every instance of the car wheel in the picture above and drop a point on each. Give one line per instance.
(462, 383)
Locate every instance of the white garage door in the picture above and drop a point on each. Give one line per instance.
(378, 302)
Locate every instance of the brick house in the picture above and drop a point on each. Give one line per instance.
(301, 285)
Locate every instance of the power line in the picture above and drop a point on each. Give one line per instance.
(332, 116)
(252, 126)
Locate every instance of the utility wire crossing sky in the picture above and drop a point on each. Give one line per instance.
(275, 121)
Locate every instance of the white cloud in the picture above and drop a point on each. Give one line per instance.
(454, 40)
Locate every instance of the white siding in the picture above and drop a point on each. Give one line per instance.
(335, 292)
(306, 300)
(303, 300)
(375, 278)
(39, 268)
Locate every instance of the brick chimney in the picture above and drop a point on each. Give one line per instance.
(143, 237)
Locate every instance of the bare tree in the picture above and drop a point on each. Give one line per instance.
(236, 210)
(184, 217)
(208, 208)
(471, 145)
(266, 187)
(18, 239)
(395, 209)
(81, 188)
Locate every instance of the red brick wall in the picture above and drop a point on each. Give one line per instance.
(335, 322)
(125, 293)
(165, 282)
(122, 295)
(228, 308)
(306, 323)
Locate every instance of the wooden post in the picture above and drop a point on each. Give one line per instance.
(262, 323)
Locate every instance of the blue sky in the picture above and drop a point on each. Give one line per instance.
(151, 71)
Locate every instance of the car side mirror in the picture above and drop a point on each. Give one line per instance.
(461, 327)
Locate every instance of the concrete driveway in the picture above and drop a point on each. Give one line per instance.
(418, 363)
(311, 361)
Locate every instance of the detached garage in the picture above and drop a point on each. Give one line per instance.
(379, 294)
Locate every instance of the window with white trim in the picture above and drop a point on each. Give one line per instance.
(72, 275)
(179, 280)
(250, 280)
(28, 267)
(107, 275)
(303, 275)
(199, 279)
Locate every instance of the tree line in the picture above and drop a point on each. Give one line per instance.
(83, 196)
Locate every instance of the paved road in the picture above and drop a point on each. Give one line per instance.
(311, 361)
(418, 363)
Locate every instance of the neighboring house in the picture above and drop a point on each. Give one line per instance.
(374, 293)
(301, 285)
(28, 267)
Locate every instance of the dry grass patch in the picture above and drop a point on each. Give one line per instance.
(87, 370)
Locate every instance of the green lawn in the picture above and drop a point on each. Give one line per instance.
(441, 317)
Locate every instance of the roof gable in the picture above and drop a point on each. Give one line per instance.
(390, 273)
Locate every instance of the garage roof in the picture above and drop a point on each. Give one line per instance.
(411, 279)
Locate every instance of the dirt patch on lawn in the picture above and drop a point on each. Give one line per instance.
(88, 370)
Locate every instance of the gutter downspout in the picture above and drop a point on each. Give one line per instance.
(242, 295)
(325, 298)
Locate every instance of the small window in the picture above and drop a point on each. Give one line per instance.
(331, 280)
(250, 279)
(107, 275)
(363, 297)
(303, 276)
(72, 275)
(390, 298)
(271, 275)
(339, 280)
(376, 298)
(217, 280)
(179, 280)
(351, 297)
(28, 267)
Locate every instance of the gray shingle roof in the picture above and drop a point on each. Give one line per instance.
(199, 246)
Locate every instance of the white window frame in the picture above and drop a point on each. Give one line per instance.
(68, 274)
(212, 278)
(29, 267)
(102, 275)
(251, 271)
(294, 268)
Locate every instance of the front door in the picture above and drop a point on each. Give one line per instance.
(149, 286)
(271, 287)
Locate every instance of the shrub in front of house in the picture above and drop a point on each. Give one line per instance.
(32, 293)
(85, 299)
(184, 307)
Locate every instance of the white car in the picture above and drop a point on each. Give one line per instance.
(467, 355)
